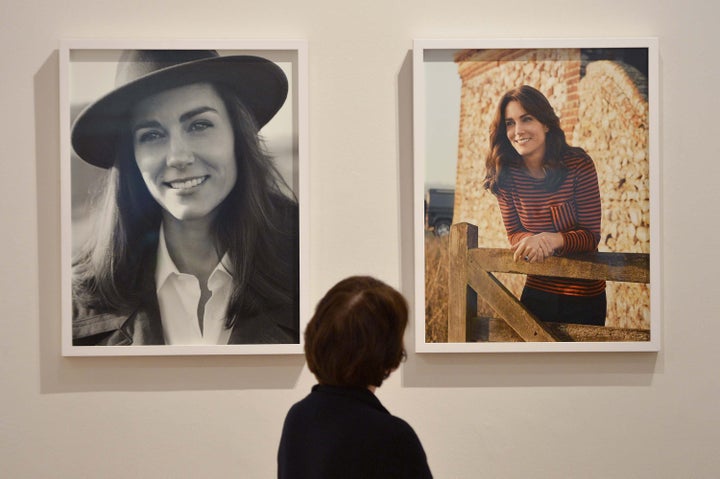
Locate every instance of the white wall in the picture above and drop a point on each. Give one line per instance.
(504, 416)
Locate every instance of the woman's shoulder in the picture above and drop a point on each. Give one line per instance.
(285, 214)
(283, 204)
(97, 288)
(576, 157)
(95, 327)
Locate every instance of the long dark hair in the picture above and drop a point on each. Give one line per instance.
(256, 225)
(503, 155)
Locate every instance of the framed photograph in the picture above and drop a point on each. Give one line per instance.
(184, 197)
(536, 196)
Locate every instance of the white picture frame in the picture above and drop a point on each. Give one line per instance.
(442, 135)
(87, 69)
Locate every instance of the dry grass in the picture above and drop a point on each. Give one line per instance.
(437, 258)
(436, 288)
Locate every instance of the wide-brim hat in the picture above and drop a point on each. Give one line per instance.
(259, 83)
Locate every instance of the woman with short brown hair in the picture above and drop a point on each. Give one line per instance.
(352, 344)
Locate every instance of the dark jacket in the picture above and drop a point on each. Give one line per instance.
(144, 327)
(141, 325)
(338, 432)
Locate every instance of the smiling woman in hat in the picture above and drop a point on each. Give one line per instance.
(195, 242)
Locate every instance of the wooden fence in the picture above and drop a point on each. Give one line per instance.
(470, 275)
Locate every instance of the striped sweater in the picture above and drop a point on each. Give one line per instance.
(572, 210)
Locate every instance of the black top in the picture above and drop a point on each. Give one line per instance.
(346, 433)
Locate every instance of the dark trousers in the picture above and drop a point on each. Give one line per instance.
(560, 308)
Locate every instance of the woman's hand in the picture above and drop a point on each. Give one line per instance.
(534, 249)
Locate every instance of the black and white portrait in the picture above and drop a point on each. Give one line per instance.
(184, 198)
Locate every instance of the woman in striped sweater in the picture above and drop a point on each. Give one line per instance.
(549, 199)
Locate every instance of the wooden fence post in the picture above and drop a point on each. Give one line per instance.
(462, 300)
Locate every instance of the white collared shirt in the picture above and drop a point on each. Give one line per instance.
(179, 295)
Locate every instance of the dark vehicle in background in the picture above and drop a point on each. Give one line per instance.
(439, 204)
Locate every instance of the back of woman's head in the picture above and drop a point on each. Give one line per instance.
(355, 338)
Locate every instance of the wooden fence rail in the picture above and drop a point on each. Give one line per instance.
(470, 275)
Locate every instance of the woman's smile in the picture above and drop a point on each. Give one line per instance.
(186, 184)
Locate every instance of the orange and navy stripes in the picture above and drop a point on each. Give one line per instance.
(573, 210)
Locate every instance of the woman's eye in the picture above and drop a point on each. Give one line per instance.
(509, 123)
(200, 125)
(149, 136)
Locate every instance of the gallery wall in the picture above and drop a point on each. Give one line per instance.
(591, 415)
